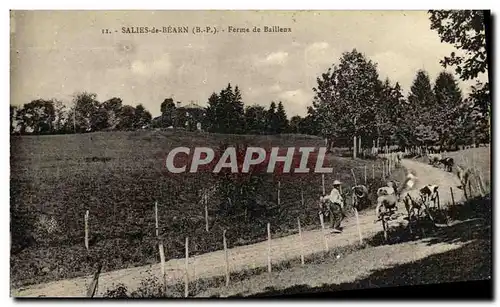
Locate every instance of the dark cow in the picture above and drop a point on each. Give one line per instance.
(448, 163)
(360, 197)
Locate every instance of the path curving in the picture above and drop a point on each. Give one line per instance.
(248, 256)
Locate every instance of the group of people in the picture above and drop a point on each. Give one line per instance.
(387, 198)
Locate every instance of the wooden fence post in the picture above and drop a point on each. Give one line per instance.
(226, 257)
(452, 197)
(301, 242)
(359, 226)
(87, 230)
(156, 218)
(373, 171)
(162, 263)
(186, 275)
(269, 247)
(354, 176)
(205, 200)
(279, 188)
(323, 183)
(323, 231)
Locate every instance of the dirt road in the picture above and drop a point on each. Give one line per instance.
(249, 256)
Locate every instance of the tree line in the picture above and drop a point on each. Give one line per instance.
(350, 101)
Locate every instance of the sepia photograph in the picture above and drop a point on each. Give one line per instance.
(249, 153)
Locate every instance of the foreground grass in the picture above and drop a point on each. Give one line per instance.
(118, 176)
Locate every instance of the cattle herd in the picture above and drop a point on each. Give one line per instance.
(417, 202)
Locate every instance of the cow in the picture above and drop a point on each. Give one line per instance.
(389, 202)
(429, 194)
(360, 196)
(434, 158)
(448, 163)
(464, 176)
(387, 197)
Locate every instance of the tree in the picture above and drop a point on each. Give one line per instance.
(225, 111)
(295, 124)
(448, 107)
(37, 117)
(255, 119)
(345, 98)
(399, 113)
(309, 125)
(466, 31)
(213, 114)
(126, 118)
(13, 112)
(271, 119)
(142, 117)
(85, 111)
(281, 119)
(236, 111)
(473, 119)
(167, 112)
(60, 117)
(113, 108)
(421, 106)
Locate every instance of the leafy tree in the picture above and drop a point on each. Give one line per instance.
(167, 112)
(37, 116)
(466, 31)
(474, 119)
(127, 119)
(401, 128)
(345, 98)
(60, 117)
(142, 117)
(85, 111)
(309, 125)
(13, 112)
(113, 108)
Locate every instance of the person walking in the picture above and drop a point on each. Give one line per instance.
(335, 204)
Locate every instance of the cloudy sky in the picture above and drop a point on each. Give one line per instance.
(55, 54)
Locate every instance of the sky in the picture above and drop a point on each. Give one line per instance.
(55, 54)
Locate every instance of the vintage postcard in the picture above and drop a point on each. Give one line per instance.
(248, 153)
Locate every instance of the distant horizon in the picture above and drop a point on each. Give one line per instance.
(55, 54)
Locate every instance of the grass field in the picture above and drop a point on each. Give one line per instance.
(478, 161)
(118, 176)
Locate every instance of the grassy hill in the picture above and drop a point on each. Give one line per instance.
(118, 177)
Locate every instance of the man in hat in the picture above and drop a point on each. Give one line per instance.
(335, 204)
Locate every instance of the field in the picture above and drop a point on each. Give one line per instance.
(478, 162)
(119, 176)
